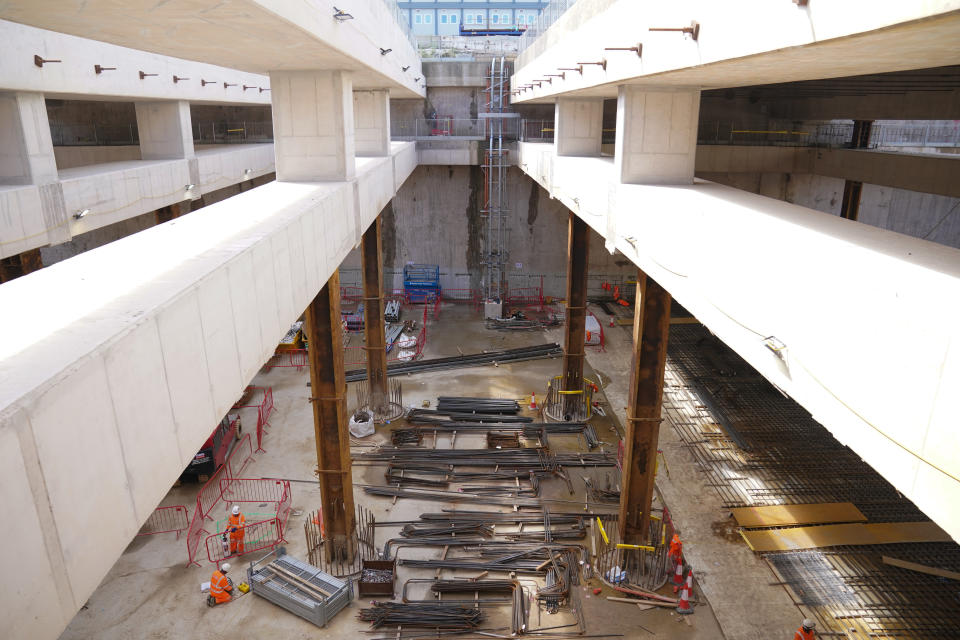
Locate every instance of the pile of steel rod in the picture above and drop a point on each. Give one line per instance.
(471, 360)
(452, 404)
(540, 430)
(430, 416)
(530, 458)
(433, 616)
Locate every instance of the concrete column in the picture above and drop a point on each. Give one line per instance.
(26, 148)
(651, 330)
(328, 386)
(165, 130)
(371, 117)
(656, 135)
(578, 126)
(371, 255)
(313, 125)
(576, 313)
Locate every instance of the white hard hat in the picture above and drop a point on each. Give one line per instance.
(225, 567)
(236, 509)
(808, 623)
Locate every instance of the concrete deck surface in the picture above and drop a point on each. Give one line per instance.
(150, 594)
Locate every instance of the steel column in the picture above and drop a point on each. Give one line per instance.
(850, 205)
(168, 213)
(371, 254)
(329, 397)
(576, 312)
(651, 329)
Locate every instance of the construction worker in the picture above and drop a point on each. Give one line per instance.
(805, 632)
(676, 550)
(220, 586)
(235, 526)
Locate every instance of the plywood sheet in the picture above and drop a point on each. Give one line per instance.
(831, 535)
(792, 514)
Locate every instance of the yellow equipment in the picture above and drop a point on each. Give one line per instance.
(243, 587)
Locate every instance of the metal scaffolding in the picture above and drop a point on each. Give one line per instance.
(495, 207)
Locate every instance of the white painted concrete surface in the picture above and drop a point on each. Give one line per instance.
(254, 36)
(165, 130)
(115, 191)
(578, 126)
(656, 135)
(110, 379)
(870, 318)
(75, 77)
(751, 42)
(371, 120)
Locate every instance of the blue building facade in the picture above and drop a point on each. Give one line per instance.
(445, 17)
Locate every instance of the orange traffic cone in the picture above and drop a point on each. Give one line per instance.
(533, 400)
(678, 577)
(683, 606)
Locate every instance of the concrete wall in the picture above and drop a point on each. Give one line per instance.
(70, 157)
(435, 219)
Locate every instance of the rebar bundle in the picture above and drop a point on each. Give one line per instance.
(438, 616)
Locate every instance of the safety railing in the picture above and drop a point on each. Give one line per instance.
(194, 534)
(241, 455)
(469, 296)
(261, 399)
(82, 135)
(256, 536)
(452, 46)
(547, 17)
(288, 358)
(209, 494)
(166, 520)
(453, 128)
(536, 130)
(255, 490)
(232, 132)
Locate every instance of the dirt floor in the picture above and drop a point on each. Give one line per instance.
(151, 593)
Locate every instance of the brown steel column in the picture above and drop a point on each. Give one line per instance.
(577, 256)
(166, 214)
(371, 255)
(329, 396)
(651, 329)
(850, 205)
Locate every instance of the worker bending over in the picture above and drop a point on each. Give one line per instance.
(221, 586)
(805, 632)
(235, 525)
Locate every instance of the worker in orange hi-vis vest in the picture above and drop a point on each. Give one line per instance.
(235, 526)
(676, 549)
(805, 632)
(220, 586)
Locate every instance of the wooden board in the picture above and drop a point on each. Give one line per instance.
(831, 535)
(793, 514)
(920, 568)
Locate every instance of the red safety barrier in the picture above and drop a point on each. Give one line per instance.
(265, 534)
(288, 358)
(352, 294)
(210, 493)
(261, 399)
(241, 455)
(254, 490)
(166, 520)
(194, 533)
(470, 296)
(283, 509)
(620, 456)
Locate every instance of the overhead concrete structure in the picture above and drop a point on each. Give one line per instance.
(256, 36)
(757, 42)
(771, 279)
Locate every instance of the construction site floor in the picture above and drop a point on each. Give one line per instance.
(151, 593)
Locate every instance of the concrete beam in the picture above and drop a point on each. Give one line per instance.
(142, 362)
(75, 76)
(810, 42)
(656, 135)
(313, 126)
(741, 264)
(255, 36)
(926, 173)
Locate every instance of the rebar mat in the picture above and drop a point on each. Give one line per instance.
(757, 447)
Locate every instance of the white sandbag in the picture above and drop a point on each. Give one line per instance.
(361, 428)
